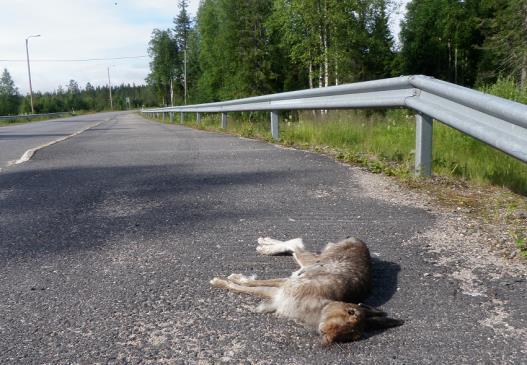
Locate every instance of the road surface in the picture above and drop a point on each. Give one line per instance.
(16, 139)
(108, 241)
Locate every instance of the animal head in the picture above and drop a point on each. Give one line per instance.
(343, 322)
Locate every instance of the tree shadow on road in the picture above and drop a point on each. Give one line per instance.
(54, 210)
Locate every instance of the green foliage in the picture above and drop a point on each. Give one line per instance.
(90, 99)
(506, 88)
(441, 38)
(182, 25)
(505, 45)
(165, 56)
(9, 97)
(235, 53)
(385, 142)
(335, 41)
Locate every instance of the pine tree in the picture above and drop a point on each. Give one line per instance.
(182, 30)
(506, 40)
(441, 38)
(235, 54)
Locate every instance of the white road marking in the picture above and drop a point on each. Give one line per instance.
(29, 153)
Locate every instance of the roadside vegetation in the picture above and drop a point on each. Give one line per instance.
(73, 98)
(468, 174)
(383, 142)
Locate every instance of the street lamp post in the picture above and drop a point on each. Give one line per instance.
(110, 87)
(29, 72)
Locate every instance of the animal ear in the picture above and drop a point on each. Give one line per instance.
(372, 312)
(376, 323)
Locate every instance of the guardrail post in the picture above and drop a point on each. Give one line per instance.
(224, 120)
(171, 117)
(423, 144)
(182, 118)
(163, 116)
(198, 118)
(275, 119)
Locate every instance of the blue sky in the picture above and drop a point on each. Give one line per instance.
(78, 29)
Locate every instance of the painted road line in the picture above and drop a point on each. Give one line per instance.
(29, 153)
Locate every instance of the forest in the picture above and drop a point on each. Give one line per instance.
(236, 49)
(240, 48)
(73, 98)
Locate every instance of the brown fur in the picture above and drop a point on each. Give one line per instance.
(323, 293)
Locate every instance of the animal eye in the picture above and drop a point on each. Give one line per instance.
(351, 312)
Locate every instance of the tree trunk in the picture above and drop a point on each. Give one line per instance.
(326, 61)
(310, 74)
(523, 76)
(336, 71)
(455, 65)
(320, 72)
(325, 44)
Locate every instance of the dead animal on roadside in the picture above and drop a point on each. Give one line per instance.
(323, 294)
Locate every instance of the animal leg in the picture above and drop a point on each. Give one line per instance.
(247, 281)
(269, 246)
(269, 241)
(260, 291)
(304, 258)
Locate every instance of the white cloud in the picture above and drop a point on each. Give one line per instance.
(74, 29)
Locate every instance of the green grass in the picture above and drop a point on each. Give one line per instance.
(384, 142)
(521, 244)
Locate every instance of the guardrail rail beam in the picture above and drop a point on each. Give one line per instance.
(498, 122)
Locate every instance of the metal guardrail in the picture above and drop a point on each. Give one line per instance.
(496, 121)
(33, 116)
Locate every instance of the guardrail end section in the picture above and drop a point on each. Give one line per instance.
(423, 144)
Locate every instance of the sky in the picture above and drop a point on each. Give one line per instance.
(84, 29)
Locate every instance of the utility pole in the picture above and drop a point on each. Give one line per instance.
(110, 88)
(29, 72)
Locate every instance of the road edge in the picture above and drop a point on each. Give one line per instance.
(31, 152)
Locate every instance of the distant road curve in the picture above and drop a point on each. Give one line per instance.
(19, 141)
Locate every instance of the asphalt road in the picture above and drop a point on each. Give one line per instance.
(108, 241)
(18, 138)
